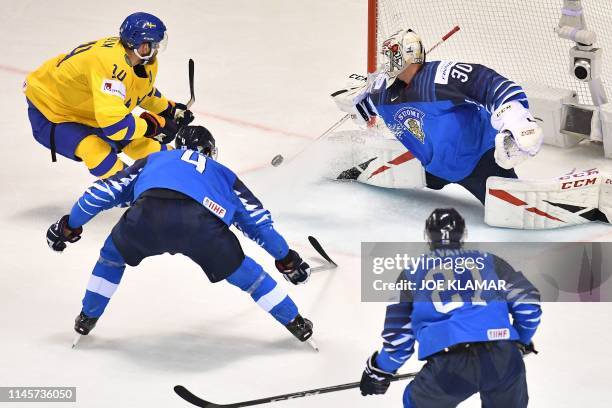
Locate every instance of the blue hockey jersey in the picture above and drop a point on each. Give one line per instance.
(444, 116)
(209, 183)
(472, 304)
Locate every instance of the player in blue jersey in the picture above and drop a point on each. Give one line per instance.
(465, 335)
(463, 122)
(183, 201)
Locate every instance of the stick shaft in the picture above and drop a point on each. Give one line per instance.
(315, 391)
(189, 397)
(191, 84)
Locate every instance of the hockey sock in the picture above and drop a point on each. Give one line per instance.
(265, 291)
(104, 280)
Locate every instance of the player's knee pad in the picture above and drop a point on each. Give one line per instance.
(110, 264)
(99, 157)
(265, 291)
(575, 198)
(248, 276)
(141, 148)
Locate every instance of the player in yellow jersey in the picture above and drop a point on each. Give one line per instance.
(80, 103)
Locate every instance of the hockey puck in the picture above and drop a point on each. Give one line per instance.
(277, 160)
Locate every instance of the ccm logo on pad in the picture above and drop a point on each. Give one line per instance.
(578, 183)
(214, 207)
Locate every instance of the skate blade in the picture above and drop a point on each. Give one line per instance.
(312, 344)
(76, 340)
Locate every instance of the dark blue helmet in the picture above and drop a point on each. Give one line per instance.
(445, 228)
(196, 138)
(140, 28)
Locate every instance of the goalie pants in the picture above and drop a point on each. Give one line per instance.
(79, 142)
(476, 182)
(163, 221)
(494, 369)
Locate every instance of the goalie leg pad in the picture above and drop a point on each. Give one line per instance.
(374, 159)
(572, 199)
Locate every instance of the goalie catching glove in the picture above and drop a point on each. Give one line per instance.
(356, 102)
(293, 268)
(519, 135)
(60, 233)
(355, 98)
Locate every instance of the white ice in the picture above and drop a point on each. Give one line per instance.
(264, 70)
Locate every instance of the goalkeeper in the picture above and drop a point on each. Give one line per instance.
(463, 122)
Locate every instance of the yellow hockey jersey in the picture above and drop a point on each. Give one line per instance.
(95, 85)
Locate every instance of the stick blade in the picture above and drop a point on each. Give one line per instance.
(317, 246)
(185, 394)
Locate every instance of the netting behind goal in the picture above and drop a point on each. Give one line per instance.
(514, 37)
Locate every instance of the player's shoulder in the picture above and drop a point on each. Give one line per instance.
(220, 167)
(193, 157)
(446, 72)
(108, 55)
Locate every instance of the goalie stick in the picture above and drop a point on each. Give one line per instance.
(188, 396)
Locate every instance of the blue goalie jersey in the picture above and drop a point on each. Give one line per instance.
(209, 183)
(458, 296)
(444, 116)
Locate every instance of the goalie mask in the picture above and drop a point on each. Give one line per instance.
(402, 49)
(196, 138)
(445, 228)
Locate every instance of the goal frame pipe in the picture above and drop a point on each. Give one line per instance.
(372, 35)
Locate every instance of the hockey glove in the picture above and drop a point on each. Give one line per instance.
(60, 233)
(374, 380)
(356, 102)
(519, 135)
(293, 268)
(179, 113)
(527, 349)
(159, 128)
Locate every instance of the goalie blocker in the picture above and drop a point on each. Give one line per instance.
(575, 198)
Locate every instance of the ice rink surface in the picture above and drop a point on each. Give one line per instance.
(264, 70)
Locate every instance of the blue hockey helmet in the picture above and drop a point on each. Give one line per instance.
(139, 28)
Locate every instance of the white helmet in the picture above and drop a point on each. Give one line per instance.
(402, 49)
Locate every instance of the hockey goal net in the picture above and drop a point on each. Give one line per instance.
(515, 37)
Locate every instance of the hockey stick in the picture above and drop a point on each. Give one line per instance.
(191, 92)
(185, 394)
(180, 115)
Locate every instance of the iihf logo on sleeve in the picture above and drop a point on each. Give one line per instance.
(412, 120)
